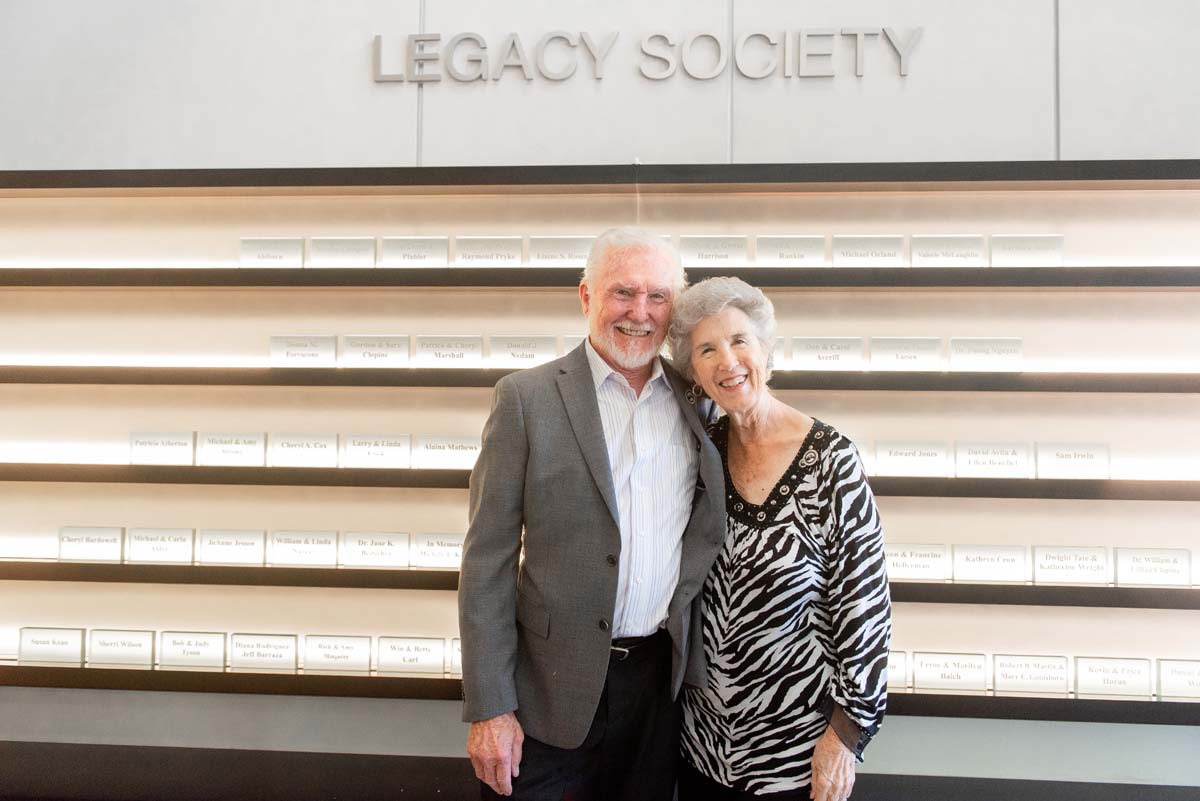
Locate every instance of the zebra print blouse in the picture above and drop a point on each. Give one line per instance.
(796, 614)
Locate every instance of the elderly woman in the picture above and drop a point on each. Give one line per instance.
(796, 612)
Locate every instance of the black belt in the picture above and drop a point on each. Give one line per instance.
(624, 646)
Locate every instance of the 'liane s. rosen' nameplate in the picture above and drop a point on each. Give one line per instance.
(50, 646)
(991, 563)
(868, 251)
(436, 550)
(1068, 460)
(988, 355)
(373, 549)
(949, 250)
(163, 546)
(350, 252)
(897, 668)
(303, 350)
(917, 562)
(1030, 675)
(931, 459)
(448, 351)
(191, 650)
(302, 450)
(263, 652)
(993, 460)
(906, 353)
(1154, 567)
(445, 453)
(231, 450)
(518, 351)
(1073, 564)
(302, 548)
(216, 546)
(487, 251)
(1124, 677)
(559, 251)
(112, 648)
(271, 252)
(412, 655)
(366, 350)
(950, 672)
(1027, 250)
(158, 448)
(790, 251)
(326, 654)
(382, 451)
(713, 251)
(829, 353)
(91, 544)
(414, 251)
(1178, 678)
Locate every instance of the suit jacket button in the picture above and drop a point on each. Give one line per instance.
(603, 624)
(612, 560)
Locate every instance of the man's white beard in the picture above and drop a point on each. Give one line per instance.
(626, 359)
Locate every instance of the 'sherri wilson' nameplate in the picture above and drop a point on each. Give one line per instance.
(124, 648)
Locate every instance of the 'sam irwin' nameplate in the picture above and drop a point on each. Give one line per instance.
(328, 654)
(114, 648)
(373, 549)
(302, 548)
(162, 448)
(414, 251)
(1073, 564)
(1027, 250)
(91, 544)
(445, 453)
(1068, 460)
(521, 351)
(1102, 676)
(272, 252)
(51, 646)
(164, 546)
(412, 655)
(559, 251)
(931, 459)
(191, 650)
(713, 251)
(487, 251)
(336, 252)
(991, 563)
(950, 672)
(448, 351)
(829, 353)
(1178, 678)
(367, 350)
(1030, 675)
(380, 451)
(790, 251)
(897, 668)
(906, 353)
(869, 251)
(302, 450)
(263, 652)
(948, 250)
(303, 350)
(436, 550)
(231, 450)
(989, 355)
(1154, 567)
(993, 460)
(231, 546)
(918, 562)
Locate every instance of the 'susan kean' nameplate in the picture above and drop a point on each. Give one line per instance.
(1027, 250)
(993, 460)
(487, 251)
(991, 563)
(897, 667)
(829, 353)
(445, 453)
(302, 450)
(91, 544)
(373, 549)
(982, 354)
(1070, 460)
(1075, 564)
(869, 251)
(412, 655)
(456, 656)
(950, 672)
(164, 546)
(790, 251)
(263, 652)
(191, 650)
(382, 451)
(948, 250)
(917, 562)
(1178, 678)
(341, 252)
(912, 459)
(519, 351)
(559, 251)
(906, 353)
(303, 350)
(113, 648)
(302, 548)
(1030, 675)
(448, 351)
(272, 252)
(231, 546)
(51, 646)
(231, 450)
(367, 350)
(329, 654)
(1125, 677)
(436, 550)
(1154, 567)
(162, 448)
(414, 251)
(713, 251)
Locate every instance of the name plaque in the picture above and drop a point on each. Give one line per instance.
(327, 654)
(50, 646)
(518, 351)
(993, 460)
(303, 350)
(272, 252)
(1154, 567)
(302, 450)
(365, 350)
(790, 251)
(906, 353)
(1027, 250)
(1078, 564)
(302, 548)
(456, 656)
(1055, 460)
(108, 647)
(487, 251)
(1030, 675)
(571, 342)
(436, 550)
(91, 544)
(989, 355)
(414, 251)
(164, 546)
(159, 448)
(382, 451)
(991, 563)
(868, 251)
(350, 252)
(263, 652)
(445, 453)
(29, 544)
(829, 353)
(965, 673)
(948, 250)
(713, 251)
(412, 655)
(372, 549)
(912, 459)
(231, 450)
(1178, 678)
(191, 650)
(897, 670)
(1123, 677)
(918, 562)
(449, 351)
(231, 547)
(559, 251)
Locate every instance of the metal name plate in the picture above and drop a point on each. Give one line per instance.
(178, 448)
(381, 451)
(329, 654)
(1116, 677)
(521, 351)
(445, 453)
(111, 647)
(448, 351)
(897, 670)
(1178, 679)
(303, 350)
(1076, 564)
(367, 350)
(991, 563)
(352, 252)
(412, 655)
(263, 652)
(91, 544)
(374, 549)
(559, 251)
(993, 460)
(713, 251)
(906, 353)
(50, 646)
(191, 650)
(885, 250)
(231, 547)
(302, 548)
(272, 252)
(790, 251)
(1027, 250)
(918, 562)
(1031, 675)
(829, 353)
(231, 450)
(488, 251)
(1072, 460)
(989, 355)
(1153, 567)
(948, 250)
(930, 459)
(164, 546)
(29, 544)
(302, 450)
(439, 551)
(966, 673)
(414, 251)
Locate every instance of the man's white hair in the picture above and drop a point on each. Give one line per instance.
(615, 241)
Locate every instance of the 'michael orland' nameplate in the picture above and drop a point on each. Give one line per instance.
(302, 450)
(271, 252)
(383, 451)
(949, 250)
(191, 650)
(917, 562)
(414, 251)
(302, 548)
(263, 652)
(1027, 250)
(109, 647)
(790, 251)
(829, 353)
(436, 550)
(1102, 676)
(445, 453)
(950, 672)
(303, 350)
(91, 544)
(906, 353)
(930, 459)
(991, 563)
(366, 350)
(327, 654)
(897, 668)
(869, 251)
(1071, 564)
(1154, 567)
(215, 546)
(1071, 460)
(341, 252)
(559, 251)
(992, 355)
(231, 450)
(164, 546)
(372, 549)
(713, 251)
(51, 646)
(448, 351)
(412, 655)
(993, 460)
(518, 351)
(1030, 675)
(159, 448)
(487, 251)
(1178, 678)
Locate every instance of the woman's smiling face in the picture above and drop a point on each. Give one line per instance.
(729, 361)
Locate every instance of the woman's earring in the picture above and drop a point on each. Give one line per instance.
(695, 394)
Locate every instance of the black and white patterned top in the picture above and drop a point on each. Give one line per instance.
(796, 613)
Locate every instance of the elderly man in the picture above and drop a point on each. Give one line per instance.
(597, 507)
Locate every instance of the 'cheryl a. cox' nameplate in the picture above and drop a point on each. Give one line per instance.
(436, 550)
(272, 252)
(790, 251)
(1076, 564)
(1112, 677)
(231, 450)
(828, 353)
(918, 562)
(231, 547)
(897, 670)
(1066, 460)
(191, 650)
(367, 350)
(163, 546)
(263, 652)
(158, 448)
(414, 251)
(341, 252)
(559, 251)
(992, 460)
(521, 351)
(991, 355)
(329, 654)
(1027, 250)
(412, 655)
(303, 350)
(1154, 567)
(445, 453)
(869, 251)
(962, 673)
(991, 563)
(126, 649)
(487, 251)
(91, 544)
(713, 251)
(51, 646)
(302, 450)
(931, 459)
(381, 549)
(1030, 675)
(949, 250)
(906, 353)
(448, 351)
(302, 548)
(381, 451)
(1178, 679)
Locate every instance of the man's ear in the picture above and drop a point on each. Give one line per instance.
(585, 297)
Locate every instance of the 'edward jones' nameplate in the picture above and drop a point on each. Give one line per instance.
(930, 459)
(192, 650)
(90, 544)
(263, 252)
(559, 251)
(302, 450)
(231, 450)
(1078, 564)
(828, 353)
(487, 251)
(353, 252)
(984, 563)
(950, 250)
(120, 648)
(1032, 250)
(869, 251)
(382, 451)
(302, 548)
(164, 546)
(445, 453)
(1096, 676)
(436, 550)
(325, 654)
(992, 460)
(906, 353)
(917, 562)
(372, 549)
(950, 672)
(303, 350)
(231, 546)
(156, 448)
(365, 350)
(518, 351)
(713, 251)
(449, 351)
(790, 251)
(1154, 567)
(1055, 460)
(48, 646)
(412, 655)
(263, 652)
(977, 354)
(1178, 678)
(1040, 675)
(414, 251)
(897, 668)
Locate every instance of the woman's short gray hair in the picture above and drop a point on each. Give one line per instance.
(711, 297)
(629, 238)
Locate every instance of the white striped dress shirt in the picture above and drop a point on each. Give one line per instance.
(654, 460)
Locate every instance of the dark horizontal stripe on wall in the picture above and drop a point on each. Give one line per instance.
(883, 787)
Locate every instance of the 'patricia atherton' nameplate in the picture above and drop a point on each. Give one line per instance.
(365, 350)
(1154, 567)
(326, 654)
(412, 655)
(906, 353)
(917, 562)
(559, 251)
(1124, 677)
(51, 646)
(436, 550)
(518, 351)
(1076, 564)
(381, 451)
(445, 453)
(790, 251)
(713, 251)
(950, 250)
(91, 544)
(897, 668)
(272, 252)
(164, 546)
(414, 251)
(456, 656)
(1027, 250)
(351, 252)
(930, 459)
(231, 546)
(1070, 460)
(487, 251)
(1030, 675)
(112, 648)
(303, 350)
(372, 549)
(950, 672)
(231, 450)
(263, 652)
(991, 563)
(191, 650)
(1178, 678)
(302, 450)
(989, 355)
(993, 460)
(869, 251)
(448, 351)
(158, 448)
(828, 353)
(302, 548)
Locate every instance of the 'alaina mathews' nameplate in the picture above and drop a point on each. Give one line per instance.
(559, 251)
(829, 353)
(231, 546)
(487, 251)
(50, 646)
(1027, 250)
(414, 251)
(372, 549)
(445, 453)
(1066, 460)
(380, 451)
(303, 350)
(91, 544)
(930, 459)
(991, 563)
(993, 460)
(869, 251)
(1030, 675)
(350, 252)
(1178, 678)
(412, 655)
(329, 654)
(790, 251)
(906, 353)
(521, 351)
(367, 350)
(272, 252)
(302, 450)
(263, 652)
(436, 550)
(897, 670)
(113, 648)
(448, 351)
(158, 448)
(989, 355)
(1124, 677)
(302, 548)
(950, 672)
(191, 650)
(231, 450)
(949, 250)
(1154, 567)
(713, 251)
(917, 562)
(162, 546)
(1071, 564)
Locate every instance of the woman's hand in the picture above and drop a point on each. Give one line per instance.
(833, 769)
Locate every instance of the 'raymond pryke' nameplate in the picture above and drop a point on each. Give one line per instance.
(949, 250)
(158, 448)
(366, 350)
(487, 251)
(167, 546)
(414, 251)
(412, 655)
(448, 351)
(1030, 675)
(302, 450)
(912, 459)
(1055, 460)
(983, 563)
(1096, 676)
(302, 548)
(790, 251)
(828, 353)
(351, 252)
(383, 451)
(326, 654)
(1155, 567)
(436, 550)
(519, 351)
(897, 667)
(372, 549)
(917, 562)
(90, 544)
(713, 251)
(445, 453)
(868, 251)
(231, 450)
(993, 460)
(191, 650)
(1178, 678)
(559, 251)
(272, 252)
(1027, 250)
(950, 672)
(120, 648)
(303, 350)
(1078, 564)
(49, 646)
(263, 652)
(990, 355)
(231, 546)
(906, 353)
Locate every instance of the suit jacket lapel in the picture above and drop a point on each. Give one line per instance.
(712, 474)
(579, 396)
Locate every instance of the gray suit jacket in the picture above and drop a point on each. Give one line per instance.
(536, 632)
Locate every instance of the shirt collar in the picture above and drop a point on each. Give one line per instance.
(601, 369)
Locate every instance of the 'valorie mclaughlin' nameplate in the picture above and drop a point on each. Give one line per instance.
(906, 353)
(162, 448)
(412, 655)
(338, 252)
(1030, 675)
(966, 673)
(993, 460)
(113, 648)
(373, 549)
(897, 668)
(869, 251)
(445, 453)
(231, 546)
(367, 350)
(302, 548)
(303, 350)
(1068, 460)
(918, 562)
(50, 646)
(829, 353)
(790, 251)
(1178, 678)
(1074, 564)
(302, 450)
(436, 550)
(272, 252)
(164, 546)
(191, 650)
(1027, 250)
(713, 251)
(521, 351)
(991, 563)
(414, 251)
(559, 251)
(1100, 676)
(1154, 567)
(986, 354)
(382, 451)
(948, 250)
(91, 544)
(448, 351)
(930, 459)
(328, 654)
(487, 251)
(263, 652)
(231, 450)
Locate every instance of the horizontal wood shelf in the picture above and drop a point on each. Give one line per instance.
(1079, 710)
(254, 576)
(1041, 595)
